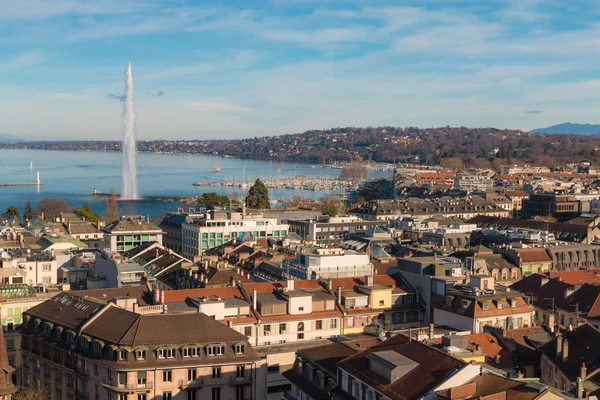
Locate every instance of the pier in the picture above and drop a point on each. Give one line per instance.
(36, 183)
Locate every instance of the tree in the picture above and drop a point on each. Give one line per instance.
(332, 206)
(112, 207)
(29, 394)
(28, 214)
(53, 207)
(452, 163)
(11, 211)
(87, 214)
(258, 196)
(211, 200)
(354, 171)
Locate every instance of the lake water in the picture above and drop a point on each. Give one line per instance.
(73, 176)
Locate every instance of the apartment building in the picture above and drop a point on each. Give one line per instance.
(7, 385)
(473, 182)
(314, 263)
(563, 207)
(172, 226)
(516, 197)
(130, 232)
(400, 367)
(278, 317)
(32, 267)
(482, 303)
(77, 348)
(215, 228)
(332, 229)
(570, 363)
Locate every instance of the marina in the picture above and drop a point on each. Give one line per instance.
(299, 182)
(36, 183)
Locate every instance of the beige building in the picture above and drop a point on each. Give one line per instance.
(130, 232)
(78, 348)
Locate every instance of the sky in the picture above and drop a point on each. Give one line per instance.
(230, 69)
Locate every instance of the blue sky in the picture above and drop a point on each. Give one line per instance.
(206, 70)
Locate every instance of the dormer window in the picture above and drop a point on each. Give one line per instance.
(97, 347)
(166, 353)
(140, 355)
(239, 349)
(513, 303)
(84, 343)
(47, 329)
(215, 350)
(190, 352)
(122, 355)
(71, 337)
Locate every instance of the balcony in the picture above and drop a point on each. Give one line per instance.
(36, 368)
(70, 384)
(58, 379)
(241, 380)
(47, 374)
(81, 395)
(83, 372)
(127, 387)
(196, 383)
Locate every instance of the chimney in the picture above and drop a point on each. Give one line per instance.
(558, 345)
(565, 350)
(409, 335)
(550, 320)
(583, 372)
(162, 297)
(231, 281)
(254, 302)
(339, 293)
(369, 280)
(329, 284)
(431, 331)
(156, 295)
(164, 309)
(290, 284)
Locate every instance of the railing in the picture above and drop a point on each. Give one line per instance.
(127, 386)
(196, 383)
(70, 385)
(47, 374)
(36, 369)
(241, 380)
(58, 379)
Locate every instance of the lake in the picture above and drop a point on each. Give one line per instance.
(73, 176)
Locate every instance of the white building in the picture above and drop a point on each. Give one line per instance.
(38, 268)
(327, 263)
(214, 229)
(130, 232)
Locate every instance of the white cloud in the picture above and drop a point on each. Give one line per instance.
(221, 107)
(23, 60)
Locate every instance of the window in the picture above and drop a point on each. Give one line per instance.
(123, 396)
(239, 393)
(84, 343)
(97, 347)
(300, 308)
(248, 331)
(191, 374)
(318, 325)
(267, 330)
(140, 355)
(356, 389)
(345, 382)
(273, 369)
(122, 355)
(141, 378)
(166, 353)
(167, 396)
(239, 349)
(333, 324)
(216, 393)
(96, 370)
(167, 375)
(239, 371)
(216, 372)
(215, 350)
(46, 267)
(381, 302)
(300, 335)
(142, 396)
(191, 395)
(282, 328)
(191, 352)
(10, 344)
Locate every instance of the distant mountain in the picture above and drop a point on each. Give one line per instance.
(4, 138)
(571, 129)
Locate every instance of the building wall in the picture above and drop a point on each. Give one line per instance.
(460, 322)
(107, 269)
(292, 330)
(379, 296)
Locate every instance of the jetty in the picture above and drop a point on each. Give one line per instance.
(36, 183)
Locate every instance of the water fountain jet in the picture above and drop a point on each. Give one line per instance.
(129, 189)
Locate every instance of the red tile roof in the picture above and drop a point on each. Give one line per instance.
(578, 277)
